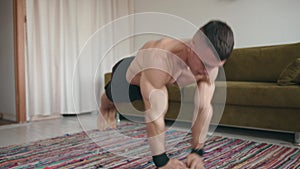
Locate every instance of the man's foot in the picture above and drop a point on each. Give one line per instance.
(194, 161)
(107, 119)
(112, 121)
(107, 116)
(174, 164)
(101, 122)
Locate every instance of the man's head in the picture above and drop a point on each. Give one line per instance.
(220, 36)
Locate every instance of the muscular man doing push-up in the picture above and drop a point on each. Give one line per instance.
(161, 63)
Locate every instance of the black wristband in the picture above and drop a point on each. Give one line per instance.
(160, 160)
(199, 151)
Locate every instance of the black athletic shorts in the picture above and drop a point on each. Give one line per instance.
(118, 89)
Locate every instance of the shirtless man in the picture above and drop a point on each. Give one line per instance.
(164, 62)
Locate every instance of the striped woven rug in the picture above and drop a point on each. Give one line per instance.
(80, 151)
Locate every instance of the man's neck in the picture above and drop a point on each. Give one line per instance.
(186, 50)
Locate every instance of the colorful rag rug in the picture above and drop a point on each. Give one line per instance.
(130, 150)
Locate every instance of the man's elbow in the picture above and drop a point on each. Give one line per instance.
(205, 109)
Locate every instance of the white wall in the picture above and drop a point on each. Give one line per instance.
(7, 76)
(254, 22)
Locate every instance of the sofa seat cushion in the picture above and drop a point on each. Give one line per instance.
(174, 93)
(263, 94)
(219, 94)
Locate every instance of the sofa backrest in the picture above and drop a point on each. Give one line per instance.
(260, 64)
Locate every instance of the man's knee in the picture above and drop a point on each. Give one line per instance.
(106, 102)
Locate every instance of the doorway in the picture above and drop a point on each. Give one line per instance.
(12, 62)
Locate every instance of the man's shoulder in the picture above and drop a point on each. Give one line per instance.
(169, 42)
(163, 43)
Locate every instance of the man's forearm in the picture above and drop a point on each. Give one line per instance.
(154, 116)
(202, 113)
(200, 127)
(156, 136)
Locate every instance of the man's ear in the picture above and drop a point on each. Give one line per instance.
(223, 62)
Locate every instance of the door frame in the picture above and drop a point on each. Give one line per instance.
(19, 16)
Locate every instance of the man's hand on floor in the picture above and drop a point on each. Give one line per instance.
(174, 164)
(194, 161)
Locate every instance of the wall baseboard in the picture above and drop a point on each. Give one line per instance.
(45, 117)
(8, 116)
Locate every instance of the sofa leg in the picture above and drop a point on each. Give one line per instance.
(297, 138)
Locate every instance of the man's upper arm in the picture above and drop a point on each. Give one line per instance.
(154, 92)
(204, 95)
(158, 78)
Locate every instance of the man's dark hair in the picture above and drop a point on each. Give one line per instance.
(220, 36)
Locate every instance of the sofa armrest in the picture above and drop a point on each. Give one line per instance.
(107, 77)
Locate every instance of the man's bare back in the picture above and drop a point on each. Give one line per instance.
(179, 49)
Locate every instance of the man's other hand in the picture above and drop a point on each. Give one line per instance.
(194, 161)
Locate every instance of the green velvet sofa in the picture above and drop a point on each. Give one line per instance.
(254, 96)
